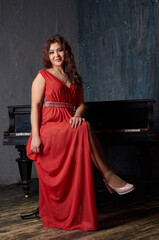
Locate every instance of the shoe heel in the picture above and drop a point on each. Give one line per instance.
(110, 190)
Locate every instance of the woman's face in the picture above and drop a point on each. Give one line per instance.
(56, 55)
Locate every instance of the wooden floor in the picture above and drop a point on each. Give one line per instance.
(133, 216)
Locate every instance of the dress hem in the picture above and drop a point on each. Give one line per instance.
(71, 228)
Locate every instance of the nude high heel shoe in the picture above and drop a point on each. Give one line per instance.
(121, 191)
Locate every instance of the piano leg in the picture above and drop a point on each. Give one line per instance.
(29, 214)
(146, 163)
(25, 168)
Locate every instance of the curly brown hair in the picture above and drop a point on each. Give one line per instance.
(69, 66)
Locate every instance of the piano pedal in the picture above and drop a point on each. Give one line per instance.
(29, 214)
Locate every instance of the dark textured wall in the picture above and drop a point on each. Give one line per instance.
(118, 59)
(118, 48)
(24, 26)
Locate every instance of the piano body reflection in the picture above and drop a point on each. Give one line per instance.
(114, 122)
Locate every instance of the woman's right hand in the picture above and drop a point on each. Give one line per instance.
(35, 144)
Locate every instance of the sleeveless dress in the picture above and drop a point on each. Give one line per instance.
(64, 167)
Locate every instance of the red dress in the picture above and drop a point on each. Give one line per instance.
(66, 191)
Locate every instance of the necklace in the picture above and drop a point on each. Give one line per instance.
(64, 79)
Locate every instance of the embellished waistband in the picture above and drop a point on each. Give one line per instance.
(58, 104)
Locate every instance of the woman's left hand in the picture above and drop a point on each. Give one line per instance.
(75, 121)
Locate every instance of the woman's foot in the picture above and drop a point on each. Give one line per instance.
(115, 184)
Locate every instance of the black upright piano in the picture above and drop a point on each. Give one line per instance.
(114, 122)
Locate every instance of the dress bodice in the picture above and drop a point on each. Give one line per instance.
(57, 91)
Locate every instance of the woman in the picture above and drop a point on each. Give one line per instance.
(62, 144)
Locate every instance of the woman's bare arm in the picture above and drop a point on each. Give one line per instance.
(76, 119)
(36, 101)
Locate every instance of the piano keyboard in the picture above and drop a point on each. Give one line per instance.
(107, 130)
(131, 130)
(23, 134)
(124, 130)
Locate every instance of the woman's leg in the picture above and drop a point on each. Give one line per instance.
(98, 157)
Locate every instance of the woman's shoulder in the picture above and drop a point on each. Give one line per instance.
(41, 71)
(40, 75)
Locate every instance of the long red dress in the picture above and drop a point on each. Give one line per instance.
(66, 191)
